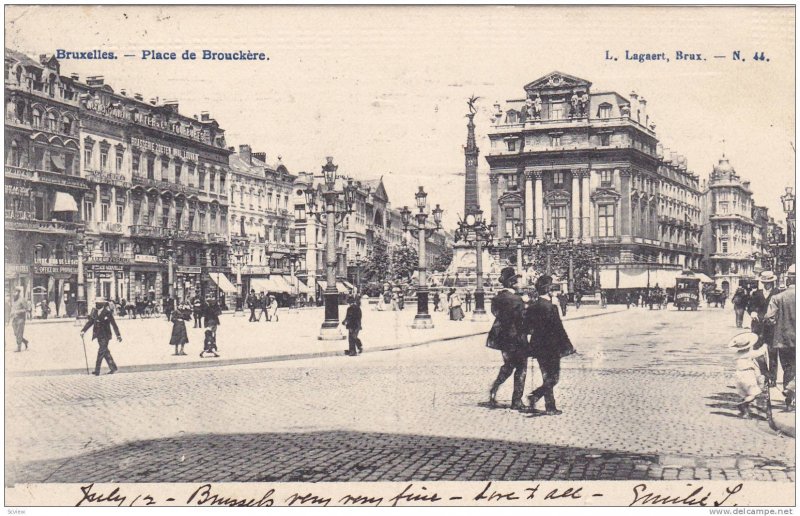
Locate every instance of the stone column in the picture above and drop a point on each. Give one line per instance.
(97, 201)
(538, 204)
(576, 204)
(113, 214)
(493, 180)
(528, 200)
(587, 211)
(625, 190)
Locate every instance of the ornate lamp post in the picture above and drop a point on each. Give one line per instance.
(359, 262)
(293, 257)
(171, 267)
(788, 207)
(238, 252)
(79, 247)
(473, 229)
(422, 319)
(337, 205)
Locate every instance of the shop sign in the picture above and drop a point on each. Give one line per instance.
(163, 149)
(188, 269)
(103, 274)
(16, 268)
(146, 258)
(54, 269)
(107, 267)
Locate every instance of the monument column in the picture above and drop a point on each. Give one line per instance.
(529, 203)
(576, 203)
(471, 151)
(538, 204)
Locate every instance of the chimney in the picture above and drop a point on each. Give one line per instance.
(95, 80)
(172, 105)
(682, 161)
(232, 149)
(644, 117)
(635, 105)
(153, 101)
(43, 58)
(204, 116)
(261, 156)
(245, 152)
(75, 77)
(138, 96)
(123, 93)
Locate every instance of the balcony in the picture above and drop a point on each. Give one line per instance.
(216, 238)
(108, 228)
(188, 236)
(43, 176)
(42, 226)
(150, 232)
(107, 178)
(164, 184)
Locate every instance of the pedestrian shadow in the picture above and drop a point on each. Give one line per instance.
(333, 456)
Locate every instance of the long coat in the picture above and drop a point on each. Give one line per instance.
(781, 316)
(548, 336)
(352, 320)
(759, 304)
(508, 331)
(179, 335)
(212, 314)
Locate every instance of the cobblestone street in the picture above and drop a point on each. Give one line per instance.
(649, 396)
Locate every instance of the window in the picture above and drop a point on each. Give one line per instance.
(723, 207)
(512, 217)
(606, 177)
(52, 122)
(190, 222)
(724, 246)
(511, 118)
(605, 139)
(241, 197)
(558, 221)
(106, 247)
(120, 212)
(269, 201)
(103, 159)
(118, 160)
(555, 140)
(201, 178)
(300, 237)
(556, 111)
(87, 155)
(88, 208)
(37, 118)
(177, 173)
(202, 222)
(285, 202)
(104, 211)
(604, 111)
(300, 212)
(66, 125)
(605, 220)
(165, 169)
(211, 180)
(38, 158)
(512, 145)
(151, 168)
(512, 182)
(558, 177)
(222, 183)
(15, 155)
(165, 216)
(135, 164)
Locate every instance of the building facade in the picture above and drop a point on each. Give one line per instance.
(261, 223)
(729, 250)
(572, 164)
(43, 182)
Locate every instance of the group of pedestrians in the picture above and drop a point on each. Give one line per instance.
(528, 326)
(266, 303)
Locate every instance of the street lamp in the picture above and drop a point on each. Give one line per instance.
(294, 259)
(474, 230)
(171, 267)
(238, 251)
(359, 262)
(79, 247)
(422, 319)
(788, 207)
(333, 213)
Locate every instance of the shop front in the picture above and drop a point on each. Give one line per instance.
(146, 277)
(54, 288)
(17, 275)
(107, 281)
(187, 281)
(215, 283)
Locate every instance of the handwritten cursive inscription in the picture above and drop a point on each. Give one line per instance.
(92, 497)
(205, 495)
(698, 497)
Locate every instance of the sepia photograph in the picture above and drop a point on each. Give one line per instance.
(382, 256)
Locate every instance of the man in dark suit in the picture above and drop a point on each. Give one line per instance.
(252, 301)
(352, 321)
(757, 308)
(508, 336)
(102, 318)
(549, 342)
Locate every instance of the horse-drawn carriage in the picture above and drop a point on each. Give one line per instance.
(687, 291)
(657, 297)
(716, 296)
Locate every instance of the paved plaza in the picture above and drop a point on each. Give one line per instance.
(649, 396)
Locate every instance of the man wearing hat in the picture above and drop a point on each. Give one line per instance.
(757, 308)
(781, 317)
(102, 318)
(549, 342)
(508, 336)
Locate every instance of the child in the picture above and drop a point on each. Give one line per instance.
(179, 336)
(209, 344)
(749, 379)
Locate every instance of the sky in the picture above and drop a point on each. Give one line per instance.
(383, 89)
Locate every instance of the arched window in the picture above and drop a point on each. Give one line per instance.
(52, 121)
(66, 125)
(14, 155)
(37, 118)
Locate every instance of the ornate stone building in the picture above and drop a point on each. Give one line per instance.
(573, 164)
(729, 250)
(260, 221)
(43, 183)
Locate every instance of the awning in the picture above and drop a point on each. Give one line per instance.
(664, 277)
(65, 202)
(339, 286)
(302, 288)
(271, 284)
(349, 286)
(222, 282)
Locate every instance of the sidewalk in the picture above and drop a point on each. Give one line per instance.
(56, 349)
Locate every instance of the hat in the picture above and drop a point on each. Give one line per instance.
(743, 341)
(507, 274)
(767, 277)
(543, 283)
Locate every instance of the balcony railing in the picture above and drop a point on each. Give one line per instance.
(216, 238)
(106, 178)
(189, 236)
(150, 231)
(43, 226)
(164, 184)
(42, 176)
(106, 227)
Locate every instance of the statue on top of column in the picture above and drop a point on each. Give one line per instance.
(573, 112)
(537, 107)
(584, 104)
(471, 103)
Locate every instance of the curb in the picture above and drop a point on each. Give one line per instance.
(142, 368)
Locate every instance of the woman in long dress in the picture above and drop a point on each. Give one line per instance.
(179, 337)
(456, 312)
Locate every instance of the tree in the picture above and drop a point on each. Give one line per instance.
(378, 264)
(442, 260)
(582, 263)
(405, 261)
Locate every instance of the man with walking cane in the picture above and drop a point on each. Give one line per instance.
(103, 321)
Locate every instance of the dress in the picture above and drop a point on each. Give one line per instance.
(748, 376)
(456, 312)
(179, 335)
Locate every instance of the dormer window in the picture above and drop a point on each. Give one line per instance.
(511, 118)
(604, 111)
